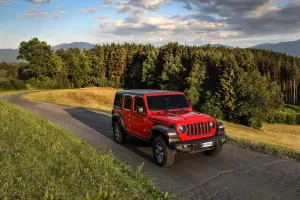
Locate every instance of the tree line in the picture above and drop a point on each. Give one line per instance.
(239, 85)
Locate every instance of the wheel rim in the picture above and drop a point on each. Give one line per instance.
(159, 152)
(117, 132)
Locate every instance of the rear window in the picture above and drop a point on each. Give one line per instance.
(127, 102)
(118, 101)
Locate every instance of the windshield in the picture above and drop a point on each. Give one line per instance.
(164, 102)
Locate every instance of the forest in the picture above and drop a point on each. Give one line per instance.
(244, 86)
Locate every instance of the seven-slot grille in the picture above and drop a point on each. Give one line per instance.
(197, 129)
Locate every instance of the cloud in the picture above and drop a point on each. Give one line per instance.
(57, 15)
(57, 6)
(3, 2)
(63, 12)
(35, 14)
(38, 1)
(88, 10)
(102, 17)
(107, 3)
(249, 17)
(158, 30)
(133, 5)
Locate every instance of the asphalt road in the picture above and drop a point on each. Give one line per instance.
(236, 174)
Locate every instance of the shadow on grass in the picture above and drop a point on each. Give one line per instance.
(101, 123)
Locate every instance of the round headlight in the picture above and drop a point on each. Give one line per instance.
(182, 129)
(212, 124)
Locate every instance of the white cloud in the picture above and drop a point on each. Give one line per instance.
(102, 16)
(63, 12)
(132, 5)
(107, 3)
(35, 14)
(158, 30)
(88, 10)
(39, 1)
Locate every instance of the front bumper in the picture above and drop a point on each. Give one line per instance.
(200, 145)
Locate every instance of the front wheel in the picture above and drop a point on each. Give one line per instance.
(215, 151)
(119, 135)
(163, 155)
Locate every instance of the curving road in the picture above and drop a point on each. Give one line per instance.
(236, 174)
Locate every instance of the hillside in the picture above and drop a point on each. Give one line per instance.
(79, 45)
(9, 55)
(291, 47)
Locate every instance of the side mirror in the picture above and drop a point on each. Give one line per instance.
(140, 110)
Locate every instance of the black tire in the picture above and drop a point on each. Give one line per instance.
(214, 152)
(167, 155)
(119, 135)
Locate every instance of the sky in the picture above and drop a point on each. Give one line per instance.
(240, 23)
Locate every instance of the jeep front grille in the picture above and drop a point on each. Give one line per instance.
(198, 129)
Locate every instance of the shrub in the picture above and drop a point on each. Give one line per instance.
(283, 117)
(45, 83)
(11, 84)
(290, 118)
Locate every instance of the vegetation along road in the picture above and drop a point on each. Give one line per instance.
(236, 174)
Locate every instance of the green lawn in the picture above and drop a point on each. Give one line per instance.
(39, 160)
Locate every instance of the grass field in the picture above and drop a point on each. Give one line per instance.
(96, 98)
(278, 139)
(39, 160)
(11, 92)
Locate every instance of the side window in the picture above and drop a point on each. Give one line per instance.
(138, 102)
(127, 102)
(118, 101)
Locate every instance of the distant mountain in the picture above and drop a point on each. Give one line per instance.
(79, 45)
(9, 55)
(291, 47)
(219, 45)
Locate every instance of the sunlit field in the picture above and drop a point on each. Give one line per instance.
(94, 97)
(278, 139)
(10, 92)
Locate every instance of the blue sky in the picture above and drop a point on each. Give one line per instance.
(232, 22)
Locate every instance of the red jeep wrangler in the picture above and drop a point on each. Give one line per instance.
(166, 119)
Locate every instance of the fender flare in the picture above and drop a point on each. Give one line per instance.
(117, 117)
(168, 133)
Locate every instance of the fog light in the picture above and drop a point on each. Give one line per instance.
(184, 147)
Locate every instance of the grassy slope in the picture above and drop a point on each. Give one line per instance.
(11, 92)
(278, 139)
(39, 160)
(96, 98)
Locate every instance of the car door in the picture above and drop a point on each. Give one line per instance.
(126, 115)
(140, 126)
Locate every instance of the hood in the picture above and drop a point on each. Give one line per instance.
(183, 117)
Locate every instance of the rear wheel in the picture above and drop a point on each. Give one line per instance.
(163, 155)
(215, 151)
(119, 135)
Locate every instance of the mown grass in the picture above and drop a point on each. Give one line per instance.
(39, 160)
(277, 139)
(95, 97)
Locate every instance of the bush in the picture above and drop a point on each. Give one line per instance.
(283, 117)
(45, 83)
(11, 84)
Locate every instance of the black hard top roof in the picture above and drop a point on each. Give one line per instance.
(144, 91)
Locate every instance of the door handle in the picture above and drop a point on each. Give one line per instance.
(132, 117)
